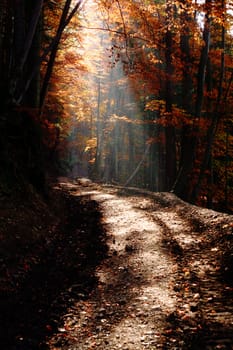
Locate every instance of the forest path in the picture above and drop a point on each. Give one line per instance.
(159, 286)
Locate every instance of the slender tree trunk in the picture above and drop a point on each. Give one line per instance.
(64, 21)
(180, 184)
(131, 149)
(116, 151)
(226, 173)
(184, 183)
(26, 20)
(215, 117)
(53, 53)
(35, 16)
(33, 94)
(99, 127)
(138, 166)
(156, 171)
(6, 50)
(170, 146)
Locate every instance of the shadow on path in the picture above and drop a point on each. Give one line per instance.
(204, 315)
(66, 268)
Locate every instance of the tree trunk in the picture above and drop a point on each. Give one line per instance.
(138, 166)
(26, 29)
(184, 183)
(53, 53)
(215, 118)
(6, 47)
(99, 127)
(185, 162)
(170, 146)
(64, 21)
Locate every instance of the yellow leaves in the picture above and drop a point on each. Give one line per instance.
(91, 144)
(123, 118)
(155, 105)
(153, 59)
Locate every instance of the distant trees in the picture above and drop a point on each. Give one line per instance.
(145, 101)
(177, 57)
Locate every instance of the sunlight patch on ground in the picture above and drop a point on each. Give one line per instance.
(180, 229)
(125, 334)
(135, 300)
(160, 293)
(187, 240)
(134, 296)
(125, 222)
(145, 274)
(171, 220)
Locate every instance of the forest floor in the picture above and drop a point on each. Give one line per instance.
(114, 268)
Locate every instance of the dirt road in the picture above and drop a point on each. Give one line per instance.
(159, 287)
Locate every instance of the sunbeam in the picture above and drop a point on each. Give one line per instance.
(108, 119)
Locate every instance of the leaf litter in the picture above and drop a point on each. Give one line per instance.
(122, 269)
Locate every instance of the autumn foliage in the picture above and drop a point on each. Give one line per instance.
(130, 92)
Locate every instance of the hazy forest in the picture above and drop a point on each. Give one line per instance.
(136, 93)
(116, 174)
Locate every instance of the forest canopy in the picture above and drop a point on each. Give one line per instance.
(135, 92)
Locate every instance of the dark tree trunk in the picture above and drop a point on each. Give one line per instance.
(184, 183)
(64, 21)
(170, 146)
(26, 29)
(186, 137)
(53, 53)
(215, 117)
(6, 54)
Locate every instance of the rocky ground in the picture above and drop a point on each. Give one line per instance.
(115, 268)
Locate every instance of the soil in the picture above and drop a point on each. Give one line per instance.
(106, 267)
